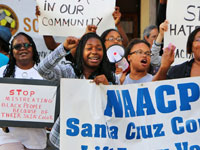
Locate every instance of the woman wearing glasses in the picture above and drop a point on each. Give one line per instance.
(139, 56)
(112, 37)
(22, 64)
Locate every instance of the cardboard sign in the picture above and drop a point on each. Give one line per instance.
(71, 17)
(28, 103)
(183, 17)
(150, 116)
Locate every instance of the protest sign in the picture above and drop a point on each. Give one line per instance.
(183, 17)
(148, 116)
(71, 17)
(28, 103)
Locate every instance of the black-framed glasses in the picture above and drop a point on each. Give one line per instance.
(19, 46)
(112, 39)
(141, 52)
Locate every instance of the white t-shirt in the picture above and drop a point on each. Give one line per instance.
(32, 138)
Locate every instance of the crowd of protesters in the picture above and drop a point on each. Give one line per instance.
(88, 60)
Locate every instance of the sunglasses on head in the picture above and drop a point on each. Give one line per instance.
(19, 46)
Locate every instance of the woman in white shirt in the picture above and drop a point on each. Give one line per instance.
(22, 64)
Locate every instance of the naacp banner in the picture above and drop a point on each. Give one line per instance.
(160, 115)
(183, 17)
(71, 17)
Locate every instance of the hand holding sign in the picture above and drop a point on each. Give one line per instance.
(163, 27)
(101, 79)
(117, 15)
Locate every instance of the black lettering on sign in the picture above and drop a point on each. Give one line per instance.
(48, 6)
(71, 9)
(193, 13)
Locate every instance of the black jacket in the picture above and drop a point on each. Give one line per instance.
(180, 71)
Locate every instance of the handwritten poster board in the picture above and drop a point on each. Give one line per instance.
(160, 115)
(183, 17)
(28, 103)
(71, 17)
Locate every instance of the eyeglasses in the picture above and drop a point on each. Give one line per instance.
(111, 39)
(19, 46)
(141, 52)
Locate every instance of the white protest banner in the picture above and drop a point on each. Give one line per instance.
(28, 103)
(183, 17)
(150, 116)
(71, 17)
(19, 16)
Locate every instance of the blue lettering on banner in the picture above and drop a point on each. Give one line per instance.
(160, 100)
(71, 123)
(190, 126)
(144, 102)
(186, 146)
(128, 106)
(85, 147)
(184, 95)
(120, 102)
(86, 129)
(114, 101)
(148, 131)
